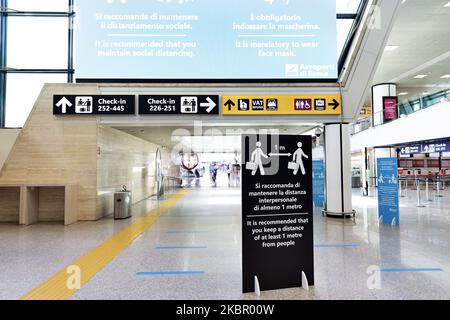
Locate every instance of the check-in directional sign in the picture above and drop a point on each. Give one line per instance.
(179, 104)
(334, 104)
(94, 105)
(263, 105)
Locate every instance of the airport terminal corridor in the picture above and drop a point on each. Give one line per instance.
(193, 252)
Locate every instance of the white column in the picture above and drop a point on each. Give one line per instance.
(338, 190)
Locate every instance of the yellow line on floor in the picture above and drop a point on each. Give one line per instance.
(59, 286)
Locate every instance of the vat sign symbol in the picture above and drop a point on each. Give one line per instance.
(64, 104)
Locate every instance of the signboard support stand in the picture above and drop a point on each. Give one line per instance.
(257, 287)
(305, 284)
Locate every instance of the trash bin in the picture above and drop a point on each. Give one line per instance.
(122, 204)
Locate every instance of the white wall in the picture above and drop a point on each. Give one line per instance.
(427, 124)
(7, 139)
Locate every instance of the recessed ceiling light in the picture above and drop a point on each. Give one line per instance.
(447, 76)
(425, 93)
(421, 76)
(403, 93)
(391, 48)
(447, 5)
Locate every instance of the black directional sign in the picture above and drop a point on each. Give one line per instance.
(277, 217)
(179, 104)
(94, 104)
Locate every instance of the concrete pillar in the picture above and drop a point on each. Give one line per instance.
(379, 92)
(338, 189)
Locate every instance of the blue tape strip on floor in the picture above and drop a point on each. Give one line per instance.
(337, 246)
(180, 248)
(164, 273)
(411, 270)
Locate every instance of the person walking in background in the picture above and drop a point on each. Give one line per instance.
(298, 159)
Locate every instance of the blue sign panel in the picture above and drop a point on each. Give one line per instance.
(388, 207)
(205, 39)
(318, 183)
(436, 147)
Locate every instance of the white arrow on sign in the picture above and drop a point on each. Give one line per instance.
(64, 104)
(210, 105)
(280, 154)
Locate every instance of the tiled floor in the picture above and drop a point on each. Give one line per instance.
(208, 221)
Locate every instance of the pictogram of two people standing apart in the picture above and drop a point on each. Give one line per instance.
(256, 160)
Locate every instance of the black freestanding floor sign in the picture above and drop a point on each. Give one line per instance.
(277, 211)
